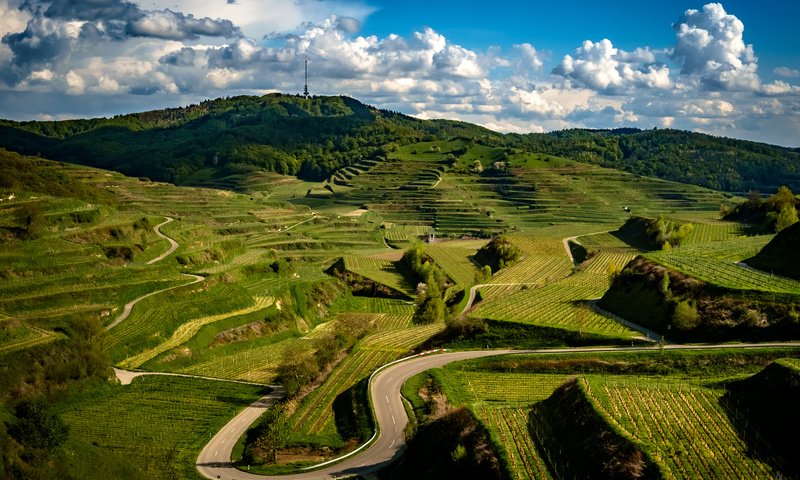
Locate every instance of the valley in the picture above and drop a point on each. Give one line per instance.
(553, 307)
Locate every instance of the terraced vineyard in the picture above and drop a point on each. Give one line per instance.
(171, 420)
(559, 305)
(264, 247)
(682, 426)
(380, 271)
(727, 274)
(509, 428)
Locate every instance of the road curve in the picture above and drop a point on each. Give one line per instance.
(173, 244)
(214, 460)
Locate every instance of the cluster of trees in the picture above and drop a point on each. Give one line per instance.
(773, 214)
(666, 234)
(431, 288)
(302, 363)
(497, 254)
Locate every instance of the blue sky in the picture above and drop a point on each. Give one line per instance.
(772, 26)
(729, 68)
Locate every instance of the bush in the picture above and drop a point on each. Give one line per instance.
(685, 316)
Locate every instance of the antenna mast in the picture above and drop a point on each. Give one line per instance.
(305, 89)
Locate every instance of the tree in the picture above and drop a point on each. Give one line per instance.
(31, 219)
(38, 428)
(272, 434)
(685, 316)
(786, 217)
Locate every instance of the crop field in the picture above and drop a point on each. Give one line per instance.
(455, 261)
(727, 274)
(401, 340)
(703, 233)
(315, 413)
(682, 426)
(559, 305)
(508, 426)
(158, 423)
(730, 250)
(380, 271)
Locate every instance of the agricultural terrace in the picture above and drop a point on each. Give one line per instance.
(668, 402)
(158, 423)
(682, 426)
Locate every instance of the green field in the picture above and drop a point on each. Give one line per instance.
(263, 243)
(158, 423)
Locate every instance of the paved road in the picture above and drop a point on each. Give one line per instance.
(214, 461)
(173, 244)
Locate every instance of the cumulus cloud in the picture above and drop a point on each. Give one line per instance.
(167, 24)
(787, 72)
(57, 28)
(601, 66)
(180, 52)
(711, 50)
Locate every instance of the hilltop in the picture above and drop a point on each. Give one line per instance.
(314, 137)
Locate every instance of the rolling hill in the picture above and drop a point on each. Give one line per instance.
(314, 137)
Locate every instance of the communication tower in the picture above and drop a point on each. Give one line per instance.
(305, 88)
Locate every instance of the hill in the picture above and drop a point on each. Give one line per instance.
(780, 255)
(308, 137)
(315, 137)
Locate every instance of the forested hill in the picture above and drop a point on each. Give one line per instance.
(714, 162)
(308, 137)
(313, 137)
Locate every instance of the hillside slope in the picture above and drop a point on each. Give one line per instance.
(780, 255)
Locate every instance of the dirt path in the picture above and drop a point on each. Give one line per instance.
(125, 377)
(474, 290)
(574, 238)
(126, 311)
(173, 244)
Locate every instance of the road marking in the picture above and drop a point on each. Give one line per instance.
(222, 442)
(393, 422)
(387, 399)
(392, 444)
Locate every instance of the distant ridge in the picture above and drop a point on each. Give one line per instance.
(316, 136)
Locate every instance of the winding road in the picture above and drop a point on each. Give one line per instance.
(128, 308)
(389, 442)
(173, 244)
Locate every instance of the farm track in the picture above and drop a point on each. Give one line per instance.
(388, 443)
(126, 311)
(173, 244)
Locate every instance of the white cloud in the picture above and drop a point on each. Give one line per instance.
(711, 50)
(601, 66)
(787, 72)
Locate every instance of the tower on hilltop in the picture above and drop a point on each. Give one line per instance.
(305, 88)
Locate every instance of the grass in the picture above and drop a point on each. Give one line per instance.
(159, 424)
(682, 426)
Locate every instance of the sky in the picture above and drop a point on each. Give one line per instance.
(729, 68)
